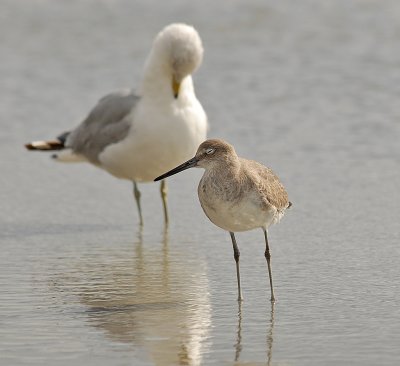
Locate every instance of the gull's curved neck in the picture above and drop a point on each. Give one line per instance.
(157, 80)
(155, 73)
(159, 85)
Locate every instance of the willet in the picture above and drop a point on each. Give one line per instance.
(237, 194)
(137, 136)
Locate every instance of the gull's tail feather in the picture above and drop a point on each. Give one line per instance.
(45, 145)
(57, 144)
(65, 154)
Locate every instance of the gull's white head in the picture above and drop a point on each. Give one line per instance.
(177, 51)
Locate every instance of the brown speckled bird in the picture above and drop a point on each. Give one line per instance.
(237, 194)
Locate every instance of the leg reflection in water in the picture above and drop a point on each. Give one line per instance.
(238, 344)
(269, 334)
(148, 294)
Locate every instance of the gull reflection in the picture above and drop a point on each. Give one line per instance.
(150, 298)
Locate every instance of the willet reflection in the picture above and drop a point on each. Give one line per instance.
(238, 345)
(154, 299)
(270, 339)
(270, 335)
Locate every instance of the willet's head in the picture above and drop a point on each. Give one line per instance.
(212, 153)
(178, 51)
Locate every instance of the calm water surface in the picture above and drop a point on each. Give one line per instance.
(309, 88)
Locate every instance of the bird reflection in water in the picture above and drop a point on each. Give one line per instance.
(157, 303)
(238, 344)
(270, 335)
(270, 338)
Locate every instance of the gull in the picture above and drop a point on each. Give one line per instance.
(237, 194)
(138, 135)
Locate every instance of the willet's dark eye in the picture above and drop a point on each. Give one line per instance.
(210, 151)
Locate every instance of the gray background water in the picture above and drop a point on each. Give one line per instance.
(310, 88)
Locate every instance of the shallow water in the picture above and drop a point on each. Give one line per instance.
(309, 88)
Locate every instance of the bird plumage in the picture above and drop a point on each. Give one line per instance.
(237, 194)
(139, 135)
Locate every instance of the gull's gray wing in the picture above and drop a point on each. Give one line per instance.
(106, 124)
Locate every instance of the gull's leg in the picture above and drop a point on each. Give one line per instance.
(137, 195)
(236, 255)
(164, 191)
(268, 258)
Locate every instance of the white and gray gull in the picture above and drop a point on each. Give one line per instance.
(139, 135)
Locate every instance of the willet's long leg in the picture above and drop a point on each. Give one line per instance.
(268, 258)
(164, 193)
(236, 255)
(137, 195)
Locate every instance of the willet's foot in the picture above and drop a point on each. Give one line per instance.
(237, 194)
(137, 136)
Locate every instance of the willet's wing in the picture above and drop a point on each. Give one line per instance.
(268, 184)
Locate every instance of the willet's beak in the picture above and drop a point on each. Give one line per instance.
(189, 164)
(175, 87)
